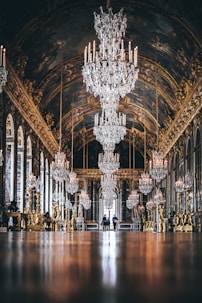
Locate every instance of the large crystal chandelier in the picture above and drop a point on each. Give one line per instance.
(110, 72)
(108, 162)
(3, 71)
(60, 167)
(108, 182)
(109, 128)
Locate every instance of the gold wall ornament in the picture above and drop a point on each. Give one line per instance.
(24, 103)
(187, 112)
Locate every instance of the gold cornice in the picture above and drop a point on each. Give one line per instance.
(24, 103)
(188, 110)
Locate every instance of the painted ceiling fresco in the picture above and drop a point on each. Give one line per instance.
(42, 35)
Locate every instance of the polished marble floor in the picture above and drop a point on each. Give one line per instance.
(100, 267)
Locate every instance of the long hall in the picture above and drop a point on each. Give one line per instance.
(100, 267)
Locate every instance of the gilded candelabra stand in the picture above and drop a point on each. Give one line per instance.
(35, 219)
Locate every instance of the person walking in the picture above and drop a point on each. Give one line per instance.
(115, 221)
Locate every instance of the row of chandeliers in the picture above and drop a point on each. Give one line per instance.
(61, 173)
(110, 73)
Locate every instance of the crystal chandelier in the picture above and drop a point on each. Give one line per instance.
(84, 200)
(109, 128)
(72, 184)
(179, 185)
(158, 167)
(145, 183)
(108, 162)
(110, 72)
(133, 199)
(60, 167)
(3, 71)
(158, 197)
(108, 182)
(1, 157)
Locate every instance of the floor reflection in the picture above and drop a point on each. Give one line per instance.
(100, 267)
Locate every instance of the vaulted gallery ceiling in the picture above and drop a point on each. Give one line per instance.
(42, 35)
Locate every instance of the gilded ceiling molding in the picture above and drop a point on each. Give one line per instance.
(24, 103)
(187, 112)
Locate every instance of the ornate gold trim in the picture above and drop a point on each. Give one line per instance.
(24, 103)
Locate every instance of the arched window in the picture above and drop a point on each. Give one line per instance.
(9, 160)
(29, 157)
(20, 169)
(198, 172)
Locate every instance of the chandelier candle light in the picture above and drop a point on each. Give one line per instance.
(3, 71)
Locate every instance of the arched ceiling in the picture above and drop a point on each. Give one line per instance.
(42, 35)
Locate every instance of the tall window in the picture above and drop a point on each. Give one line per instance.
(198, 169)
(20, 169)
(9, 160)
(29, 157)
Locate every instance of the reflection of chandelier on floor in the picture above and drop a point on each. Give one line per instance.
(60, 167)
